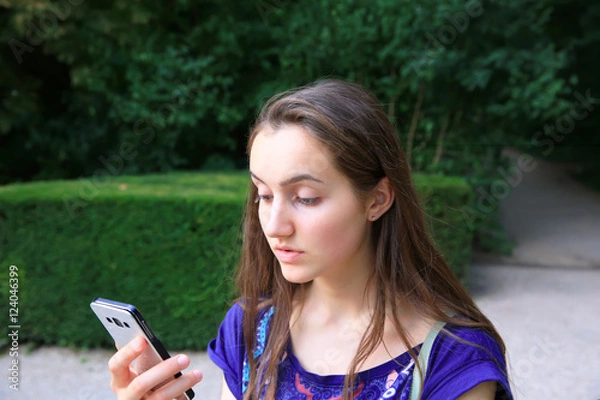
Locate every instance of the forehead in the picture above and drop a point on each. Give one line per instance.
(287, 151)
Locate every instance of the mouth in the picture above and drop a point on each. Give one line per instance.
(286, 254)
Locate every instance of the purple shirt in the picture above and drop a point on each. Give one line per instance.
(454, 367)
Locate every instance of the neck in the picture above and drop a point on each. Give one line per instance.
(344, 297)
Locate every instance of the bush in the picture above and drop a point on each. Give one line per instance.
(444, 199)
(166, 243)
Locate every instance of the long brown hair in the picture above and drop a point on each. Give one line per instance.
(351, 124)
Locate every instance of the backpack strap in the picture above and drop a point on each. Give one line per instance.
(423, 359)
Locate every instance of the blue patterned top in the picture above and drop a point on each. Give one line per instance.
(454, 367)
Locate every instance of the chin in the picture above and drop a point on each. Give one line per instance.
(295, 274)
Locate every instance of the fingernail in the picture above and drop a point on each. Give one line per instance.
(197, 374)
(183, 360)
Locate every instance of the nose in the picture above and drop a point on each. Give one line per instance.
(277, 221)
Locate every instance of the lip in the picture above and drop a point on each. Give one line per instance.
(286, 254)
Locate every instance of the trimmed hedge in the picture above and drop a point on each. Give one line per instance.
(443, 199)
(167, 243)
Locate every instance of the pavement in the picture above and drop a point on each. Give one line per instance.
(544, 300)
(554, 220)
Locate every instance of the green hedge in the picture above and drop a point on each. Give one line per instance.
(443, 199)
(167, 243)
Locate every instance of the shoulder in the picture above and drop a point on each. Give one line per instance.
(461, 358)
(231, 326)
(227, 350)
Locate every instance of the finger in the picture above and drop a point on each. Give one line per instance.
(177, 387)
(119, 363)
(159, 374)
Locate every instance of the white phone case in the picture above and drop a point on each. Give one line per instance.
(124, 322)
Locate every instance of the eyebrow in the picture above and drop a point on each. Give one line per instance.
(292, 180)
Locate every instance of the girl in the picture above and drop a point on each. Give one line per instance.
(341, 286)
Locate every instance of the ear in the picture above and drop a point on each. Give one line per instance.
(380, 200)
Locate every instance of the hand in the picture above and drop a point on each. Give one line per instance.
(128, 385)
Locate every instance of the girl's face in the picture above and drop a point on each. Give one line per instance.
(315, 224)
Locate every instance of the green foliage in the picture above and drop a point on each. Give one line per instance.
(174, 85)
(459, 78)
(141, 74)
(572, 137)
(166, 243)
(444, 198)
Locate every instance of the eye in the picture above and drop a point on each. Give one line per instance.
(307, 201)
(262, 198)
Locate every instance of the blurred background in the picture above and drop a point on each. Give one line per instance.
(175, 84)
(123, 128)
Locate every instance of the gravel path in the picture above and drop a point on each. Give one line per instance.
(550, 321)
(554, 220)
(59, 373)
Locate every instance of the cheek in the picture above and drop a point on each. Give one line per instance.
(341, 233)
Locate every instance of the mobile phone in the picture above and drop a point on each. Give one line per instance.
(124, 322)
